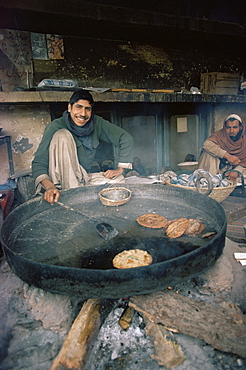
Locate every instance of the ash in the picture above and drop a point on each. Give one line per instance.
(117, 348)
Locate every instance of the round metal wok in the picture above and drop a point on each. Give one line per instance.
(59, 250)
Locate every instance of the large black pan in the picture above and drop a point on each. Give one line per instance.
(60, 251)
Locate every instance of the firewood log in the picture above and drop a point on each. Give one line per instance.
(126, 318)
(168, 352)
(75, 349)
(222, 325)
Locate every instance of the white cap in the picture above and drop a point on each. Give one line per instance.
(235, 116)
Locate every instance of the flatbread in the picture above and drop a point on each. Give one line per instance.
(177, 227)
(195, 227)
(152, 220)
(132, 258)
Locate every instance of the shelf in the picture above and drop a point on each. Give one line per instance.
(22, 97)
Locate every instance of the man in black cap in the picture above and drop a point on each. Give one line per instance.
(68, 147)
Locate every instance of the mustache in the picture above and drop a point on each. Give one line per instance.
(235, 138)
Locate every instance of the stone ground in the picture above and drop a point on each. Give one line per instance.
(34, 324)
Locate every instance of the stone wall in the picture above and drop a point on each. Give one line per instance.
(25, 125)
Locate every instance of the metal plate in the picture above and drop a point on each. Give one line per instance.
(59, 250)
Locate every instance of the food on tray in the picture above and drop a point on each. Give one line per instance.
(209, 234)
(169, 223)
(174, 228)
(194, 228)
(132, 258)
(152, 220)
(177, 227)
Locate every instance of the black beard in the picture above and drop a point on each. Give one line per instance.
(235, 138)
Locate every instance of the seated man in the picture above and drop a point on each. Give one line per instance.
(190, 158)
(138, 167)
(226, 145)
(68, 148)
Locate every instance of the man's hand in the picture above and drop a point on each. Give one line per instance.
(232, 176)
(232, 159)
(112, 173)
(51, 194)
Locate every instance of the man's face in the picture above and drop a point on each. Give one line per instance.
(80, 112)
(233, 128)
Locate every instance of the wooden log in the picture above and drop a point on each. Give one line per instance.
(143, 90)
(168, 353)
(163, 91)
(120, 90)
(126, 318)
(75, 349)
(222, 325)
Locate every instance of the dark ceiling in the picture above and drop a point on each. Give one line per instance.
(210, 22)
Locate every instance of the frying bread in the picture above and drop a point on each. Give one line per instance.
(195, 227)
(152, 220)
(177, 227)
(132, 258)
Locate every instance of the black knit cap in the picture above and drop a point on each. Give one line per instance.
(81, 94)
